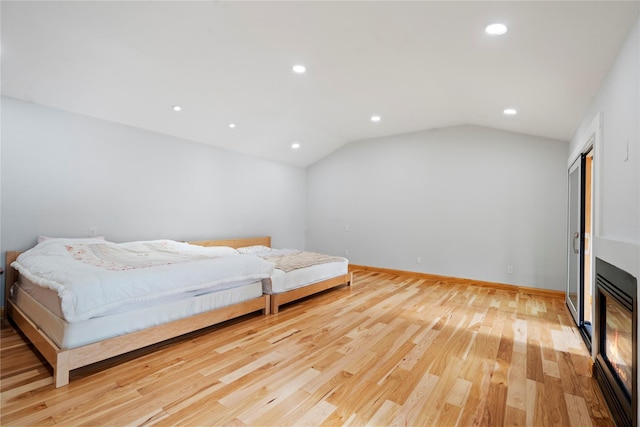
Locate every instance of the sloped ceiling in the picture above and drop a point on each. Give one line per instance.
(418, 65)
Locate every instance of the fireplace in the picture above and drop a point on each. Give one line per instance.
(616, 323)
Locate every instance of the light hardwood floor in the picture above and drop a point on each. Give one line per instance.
(389, 350)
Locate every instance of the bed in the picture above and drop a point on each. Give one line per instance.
(325, 272)
(143, 301)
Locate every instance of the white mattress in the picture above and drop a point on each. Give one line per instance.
(50, 300)
(280, 281)
(71, 335)
(93, 277)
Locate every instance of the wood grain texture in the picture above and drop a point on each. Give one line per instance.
(64, 360)
(396, 350)
(10, 276)
(235, 243)
(448, 279)
(295, 294)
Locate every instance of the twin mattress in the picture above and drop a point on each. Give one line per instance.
(296, 269)
(128, 319)
(281, 281)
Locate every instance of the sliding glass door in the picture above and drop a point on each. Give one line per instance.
(576, 242)
(579, 284)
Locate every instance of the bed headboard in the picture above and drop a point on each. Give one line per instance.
(10, 277)
(235, 243)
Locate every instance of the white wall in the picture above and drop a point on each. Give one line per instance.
(468, 200)
(63, 173)
(618, 103)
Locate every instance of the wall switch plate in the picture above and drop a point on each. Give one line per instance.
(419, 260)
(346, 252)
(93, 231)
(626, 151)
(509, 269)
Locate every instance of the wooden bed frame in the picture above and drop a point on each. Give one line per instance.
(64, 360)
(282, 298)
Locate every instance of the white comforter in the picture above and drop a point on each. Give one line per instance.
(93, 276)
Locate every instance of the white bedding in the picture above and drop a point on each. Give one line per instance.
(92, 276)
(281, 281)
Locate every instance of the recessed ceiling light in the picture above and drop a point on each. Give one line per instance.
(496, 29)
(509, 112)
(375, 118)
(232, 125)
(300, 69)
(295, 145)
(176, 108)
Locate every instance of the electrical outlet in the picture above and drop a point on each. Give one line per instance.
(509, 269)
(240, 228)
(418, 260)
(93, 231)
(346, 252)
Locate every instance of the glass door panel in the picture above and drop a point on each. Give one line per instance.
(575, 242)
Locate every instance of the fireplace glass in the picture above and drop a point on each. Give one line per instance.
(616, 321)
(618, 342)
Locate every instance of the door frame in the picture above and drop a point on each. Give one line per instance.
(575, 229)
(592, 137)
(590, 140)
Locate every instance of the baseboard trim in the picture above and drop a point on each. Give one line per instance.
(460, 280)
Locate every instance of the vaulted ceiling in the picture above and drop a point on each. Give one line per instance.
(417, 65)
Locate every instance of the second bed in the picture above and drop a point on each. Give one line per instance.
(292, 278)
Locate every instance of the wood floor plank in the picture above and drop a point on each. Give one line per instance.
(393, 349)
(551, 403)
(497, 409)
(288, 410)
(517, 393)
(409, 412)
(568, 374)
(535, 370)
(576, 405)
(598, 411)
(476, 407)
(432, 408)
(450, 415)
(515, 417)
(275, 395)
(384, 414)
(505, 347)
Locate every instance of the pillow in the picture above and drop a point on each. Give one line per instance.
(254, 249)
(206, 250)
(43, 238)
(219, 250)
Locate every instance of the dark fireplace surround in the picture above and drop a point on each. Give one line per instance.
(616, 326)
